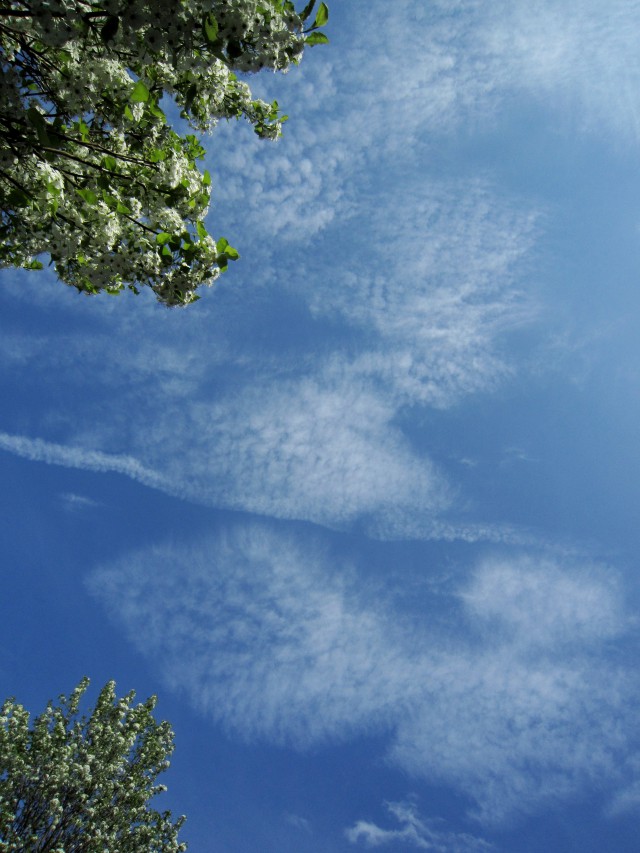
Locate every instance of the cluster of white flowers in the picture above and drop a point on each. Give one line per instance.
(90, 173)
(67, 783)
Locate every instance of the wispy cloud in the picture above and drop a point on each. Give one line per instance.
(51, 453)
(318, 435)
(579, 57)
(420, 301)
(421, 297)
(76, 503)
(326, 451)
(414, 831)
(414, 77)
(627, 800)
(299, 451)
(517, 698)
(299, 822)
(435, 289)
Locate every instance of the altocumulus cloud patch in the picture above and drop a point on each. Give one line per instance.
(509, 704)
(321, 449)
(436, 287)
(319, 438)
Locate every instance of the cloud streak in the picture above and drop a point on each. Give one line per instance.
(37, 450)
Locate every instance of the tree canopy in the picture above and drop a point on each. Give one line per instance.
(91, 171)
(70, 784)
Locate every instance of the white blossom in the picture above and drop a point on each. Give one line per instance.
(90, 172)
(69, 782)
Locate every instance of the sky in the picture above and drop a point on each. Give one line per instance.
(365, 516)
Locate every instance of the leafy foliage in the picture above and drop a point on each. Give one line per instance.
(70, 784)
(91, 173)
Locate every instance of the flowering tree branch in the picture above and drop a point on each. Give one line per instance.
(82, 83)
(84, 783)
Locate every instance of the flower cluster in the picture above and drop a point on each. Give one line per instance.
(90, 172)
(70, 783)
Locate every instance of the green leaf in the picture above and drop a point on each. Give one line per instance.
(316, 38)
(122, 208)
(139, 93)
(210, 28)
(155, 110)
(34, 117)
(37, 121)
(222, 244)
(308, 9)
(83, 129)
(322, 16)
(190, 95)
(109, 163)
(89, 196)
(128, 114)
(162, 238)
(206, 179)
(157, 155)
(194, 149)
(87, 286)
(202, 231)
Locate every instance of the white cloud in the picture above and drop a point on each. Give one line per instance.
(627, 800)
(427, 292)
(252, 590)
(357, 109)
(76, 503)
(579, 57)
(427, 289)
(319, 438)
(413, 77)
(299, 451)
(267, 636)
(21, 349)
(51, 453)
(538, 603)
(299, 822)
(434, 290)
(414, 831)
(429, 68)
(324, 451)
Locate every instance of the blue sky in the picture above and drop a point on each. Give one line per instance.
(365, 516)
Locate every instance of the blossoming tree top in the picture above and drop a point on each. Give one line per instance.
(91, 173)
